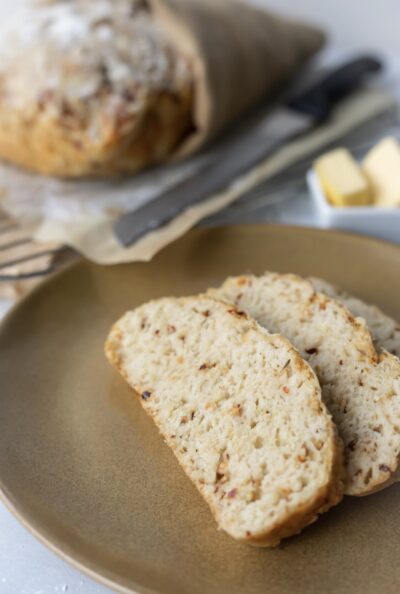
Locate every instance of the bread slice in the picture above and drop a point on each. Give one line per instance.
(385, 331)
(360, 386)
(240, 409)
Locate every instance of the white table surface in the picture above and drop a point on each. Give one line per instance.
(26, 566)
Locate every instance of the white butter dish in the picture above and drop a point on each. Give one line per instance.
(370, 220)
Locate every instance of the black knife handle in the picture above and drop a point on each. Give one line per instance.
(319, 99)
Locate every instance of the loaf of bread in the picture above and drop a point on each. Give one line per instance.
(360, 385)
(385, 331)
(90, 88)
(103, 87)
(240, 409)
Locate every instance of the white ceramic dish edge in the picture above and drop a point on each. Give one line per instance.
(369, 220)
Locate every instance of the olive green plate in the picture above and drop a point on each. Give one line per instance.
(86, 471)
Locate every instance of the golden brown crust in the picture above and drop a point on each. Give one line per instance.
(51, 147)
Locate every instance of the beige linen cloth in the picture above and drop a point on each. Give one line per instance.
(241, 55)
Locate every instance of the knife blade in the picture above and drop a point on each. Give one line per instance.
(301, 113)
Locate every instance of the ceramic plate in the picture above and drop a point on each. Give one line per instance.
(84, 469)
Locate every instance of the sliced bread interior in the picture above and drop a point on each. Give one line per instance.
(385, 331)
(241, 410)
(360, 386)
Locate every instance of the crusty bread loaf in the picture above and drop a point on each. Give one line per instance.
(385, 331)
(241, 410)
(91, 88)
(360, 386)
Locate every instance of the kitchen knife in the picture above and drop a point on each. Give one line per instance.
(300, 114)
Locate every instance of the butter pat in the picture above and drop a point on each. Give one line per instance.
(342, 179)
(382, 167)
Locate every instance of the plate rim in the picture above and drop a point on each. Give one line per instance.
(105, 577)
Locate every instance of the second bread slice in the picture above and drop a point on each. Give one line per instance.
(241, 410)
(360, 386)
